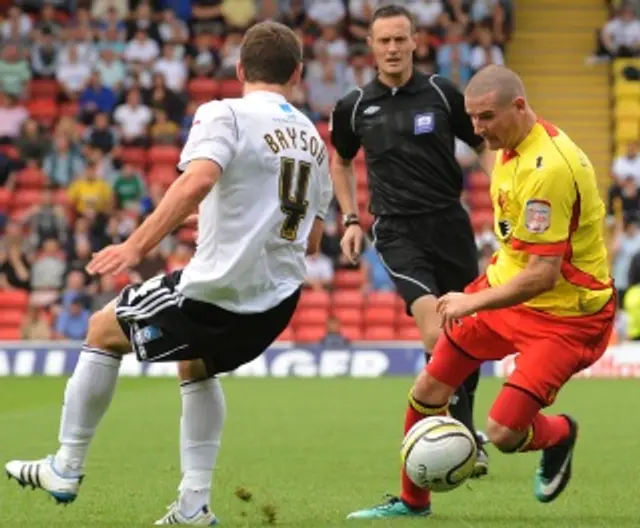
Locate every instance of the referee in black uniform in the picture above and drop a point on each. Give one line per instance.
(407, 121)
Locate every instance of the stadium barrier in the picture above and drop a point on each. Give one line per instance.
(363, 360)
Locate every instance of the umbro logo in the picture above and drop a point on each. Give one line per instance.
(371, 110)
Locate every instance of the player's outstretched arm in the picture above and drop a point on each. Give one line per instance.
(180, 200)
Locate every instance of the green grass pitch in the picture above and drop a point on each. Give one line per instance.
(312, 450)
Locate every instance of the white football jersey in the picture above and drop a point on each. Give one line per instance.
(254, 224)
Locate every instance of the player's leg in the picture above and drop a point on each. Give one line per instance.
(87, 396)
(203, 415)
(456, 267)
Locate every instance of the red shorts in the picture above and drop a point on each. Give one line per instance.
(550, 349)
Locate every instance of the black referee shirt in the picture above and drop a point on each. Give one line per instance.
(408, 137)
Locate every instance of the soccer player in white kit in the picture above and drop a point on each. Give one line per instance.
(256, 170)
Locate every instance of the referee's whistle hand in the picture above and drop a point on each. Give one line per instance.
(351, 243)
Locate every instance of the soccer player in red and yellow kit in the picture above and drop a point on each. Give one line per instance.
(547, 294)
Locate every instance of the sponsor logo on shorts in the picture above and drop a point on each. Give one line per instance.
(537, 216)
(147, 334)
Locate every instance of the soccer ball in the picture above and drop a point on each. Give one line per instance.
(438, 453)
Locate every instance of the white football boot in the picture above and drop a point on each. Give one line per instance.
(42, 474)
(202, 517)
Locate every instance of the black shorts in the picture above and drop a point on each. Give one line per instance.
(428, 254)
(163, 325)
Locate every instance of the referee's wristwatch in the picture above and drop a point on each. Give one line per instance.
(350, 219)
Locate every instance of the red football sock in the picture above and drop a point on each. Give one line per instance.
(412, 495)
(547, 432)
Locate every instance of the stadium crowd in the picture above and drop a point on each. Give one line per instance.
(97, 98)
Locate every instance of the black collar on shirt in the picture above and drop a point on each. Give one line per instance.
(413, 85)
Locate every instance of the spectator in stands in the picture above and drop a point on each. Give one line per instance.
(238, 13)
(620, 37)
(101, 135)
(485, 52)
(47, 23)
(163, 131)
(142, 49)
(88, 191)
(46, 220)
(335, 46)
(14, 72)
(100, 8)
(72, 75)
(454, 56)
(172, 68)
(95, 98)
(626, 245)
(111, 40)
(102, 163)
(128, 188)
(172, 30)
(426, 12)
(47, 272)
(296, 15)
(162, 97)
(79, 257)
(143, 20)
(16, 22)
(44, 56)
(32, 143)
(624, 199)
(15, 267)
(326, 12)
(456, 12)
(73, 322)
(81, 40)
(133, 118)
(376, 277)
(425, 54)
(187, 120)
(105, 292)
(202, 58)
(319, 272)
(334, 339)
(230, 54)
(330, 244)
(179, 257)
(627, 165)
(323, 93)
(360, 12)
(112, 18)
(63, 163)
(207, 16)
(75, 286)
(35, 325)
(153, 264)
(12, 117)
(111, 70)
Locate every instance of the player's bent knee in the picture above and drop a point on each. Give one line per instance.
(505, 439)
(192, 370)
(431, 391)
(105, 332)
(423, 310)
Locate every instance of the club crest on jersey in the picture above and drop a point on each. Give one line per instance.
(537, 216)
(424, 123)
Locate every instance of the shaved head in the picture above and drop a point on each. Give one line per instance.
(498, 80)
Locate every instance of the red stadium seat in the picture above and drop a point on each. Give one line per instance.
(31, 179)
(323, 130)
(408, 333)
(202, 89)
(382, 298)
(310, 316)
(480, 199)
(348, 316)
(121, 280)
(187, 235)
(164, 155)
(43, 89)
(314, 299)
(286, 335)
(10, 151)
(10, 334)
(366, 219)
(5, 198)
(44, 111)
(348, 279)
(481, 218)
(403, 319)
(61, 198)
(69, 109)
(16, 299)
(162, 174)
(479, 180)
(134, 155)
(351, 332)
(230, 88)
(348, 299)
(11, 318)
(24, 198)
(380, 315)
(379, 333)
(310, 333)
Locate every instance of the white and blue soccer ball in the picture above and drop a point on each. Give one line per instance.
(439, 453)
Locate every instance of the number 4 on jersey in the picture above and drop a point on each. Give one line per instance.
(293, 200)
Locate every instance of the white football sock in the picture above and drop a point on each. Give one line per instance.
(203, 414)
(87, 396)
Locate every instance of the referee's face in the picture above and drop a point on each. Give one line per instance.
(392, 42)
